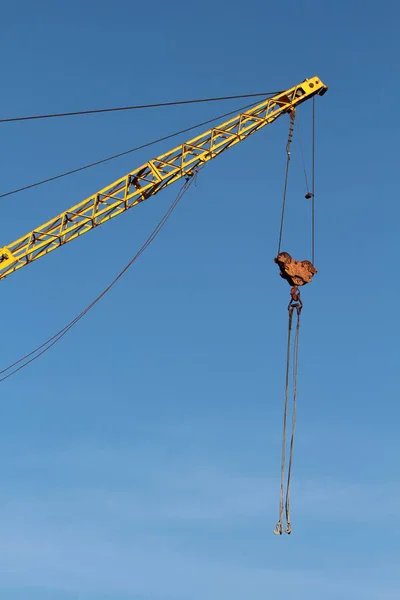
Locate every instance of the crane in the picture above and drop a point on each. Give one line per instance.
(145, 181)
(140, 184)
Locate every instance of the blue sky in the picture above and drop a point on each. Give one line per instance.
(139, 459)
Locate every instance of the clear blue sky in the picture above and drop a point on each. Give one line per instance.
(139, 459)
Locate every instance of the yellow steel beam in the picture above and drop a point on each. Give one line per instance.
(150, 178)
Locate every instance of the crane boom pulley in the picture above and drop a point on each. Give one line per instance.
(150, 178)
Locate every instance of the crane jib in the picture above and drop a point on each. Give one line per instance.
(150, 178)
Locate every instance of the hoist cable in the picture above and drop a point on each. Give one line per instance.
(310, 194)
(120, 154)
(136, 107)
(313, 184)
(283, 204)
(279, 525)
(290, 137)
(290, 463)
(284, 500)
(303, 160)
(43, 348)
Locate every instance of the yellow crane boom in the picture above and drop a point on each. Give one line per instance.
(150, 178)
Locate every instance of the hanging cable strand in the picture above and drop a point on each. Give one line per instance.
(279, 526)
(24, 361)
(303, 160)
(310, 195)
(288, 156)
(313, 185)
(293, 306)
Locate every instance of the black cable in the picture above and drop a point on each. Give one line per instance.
(43, 348)
(288, 157)
(313, 183)
(310, 194)
(302, 156)
(134, 107)
(114, 156)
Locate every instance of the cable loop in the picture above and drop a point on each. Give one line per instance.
(295, 305)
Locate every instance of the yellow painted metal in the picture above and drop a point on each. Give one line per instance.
(150, 178)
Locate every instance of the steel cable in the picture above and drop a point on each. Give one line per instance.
(43, 348)
(135, 107)
(126, 152)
